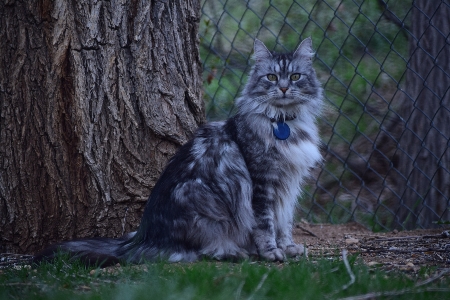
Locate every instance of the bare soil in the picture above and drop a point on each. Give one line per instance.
(402, 250)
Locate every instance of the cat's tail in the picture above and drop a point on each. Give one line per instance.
(95, 251)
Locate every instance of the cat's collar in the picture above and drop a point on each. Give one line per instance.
(283, 118)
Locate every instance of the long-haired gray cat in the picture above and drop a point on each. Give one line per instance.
(231, 191)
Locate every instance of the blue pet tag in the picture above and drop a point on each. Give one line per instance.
(282, 131)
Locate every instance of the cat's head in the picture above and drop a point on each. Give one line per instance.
(282, 83)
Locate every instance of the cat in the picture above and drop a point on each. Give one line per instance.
(231, 191)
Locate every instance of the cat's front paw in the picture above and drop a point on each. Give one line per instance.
(275, 254)
(294, 250)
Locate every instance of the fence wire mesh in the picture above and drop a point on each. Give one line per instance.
(385, 69)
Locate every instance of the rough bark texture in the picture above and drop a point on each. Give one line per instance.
(95, 96)
(423, 154)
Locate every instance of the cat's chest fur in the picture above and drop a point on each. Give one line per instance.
(293, 156)
(281, 165)
(300, 152)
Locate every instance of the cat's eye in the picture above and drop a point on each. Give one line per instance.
(272, 77)
(296, 76)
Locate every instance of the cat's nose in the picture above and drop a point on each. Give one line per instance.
(284, 89)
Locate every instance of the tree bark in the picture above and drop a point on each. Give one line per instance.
(423, 154)
(95, 97)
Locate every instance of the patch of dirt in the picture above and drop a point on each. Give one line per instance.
(402, 250)
(406, 251)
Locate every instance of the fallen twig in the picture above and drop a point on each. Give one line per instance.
(350, 273)
(404, 251)
(394, 293)
(436, 236)
(433, 278)
(306, 230)
(22, 283)
(349, 270)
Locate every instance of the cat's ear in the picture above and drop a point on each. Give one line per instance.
(304, 50)
(260, 51)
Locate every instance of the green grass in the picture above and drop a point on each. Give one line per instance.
(303, 279)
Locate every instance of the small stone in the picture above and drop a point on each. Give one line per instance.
(92, 272)
(351, 241)
(373, 263)
(408, 267)
(395, 231)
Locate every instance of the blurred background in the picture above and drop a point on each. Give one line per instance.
(384, 66)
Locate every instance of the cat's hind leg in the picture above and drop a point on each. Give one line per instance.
(233, 253)
(221, 240)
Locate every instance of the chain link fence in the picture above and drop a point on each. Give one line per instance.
(384, 66)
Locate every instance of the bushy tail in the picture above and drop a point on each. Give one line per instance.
(96, 251)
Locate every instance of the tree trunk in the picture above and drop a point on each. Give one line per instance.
(95, 97)
(423, 178)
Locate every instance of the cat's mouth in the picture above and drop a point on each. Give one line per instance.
(287, 101)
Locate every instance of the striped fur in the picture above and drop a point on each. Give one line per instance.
(231, 191)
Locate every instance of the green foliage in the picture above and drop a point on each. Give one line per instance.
(303, 279)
